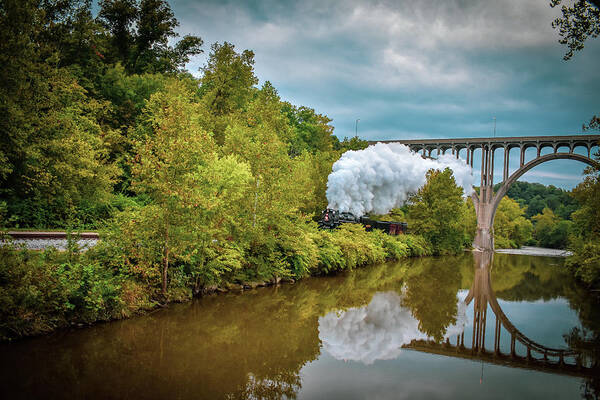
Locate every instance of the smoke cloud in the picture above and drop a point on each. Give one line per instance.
(377, 331)
(382, 176)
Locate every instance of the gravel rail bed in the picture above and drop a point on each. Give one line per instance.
(50, 235)
(41, 240)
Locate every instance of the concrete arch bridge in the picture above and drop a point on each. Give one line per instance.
(486, 203)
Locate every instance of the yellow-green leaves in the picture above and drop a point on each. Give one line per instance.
(436, 212)
(511, 228)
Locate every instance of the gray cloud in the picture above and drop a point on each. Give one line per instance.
(411, 69)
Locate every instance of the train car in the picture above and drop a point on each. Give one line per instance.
(331, 219)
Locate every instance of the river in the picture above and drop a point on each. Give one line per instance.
(416, 329)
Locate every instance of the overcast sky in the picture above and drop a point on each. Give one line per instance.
(414, 69)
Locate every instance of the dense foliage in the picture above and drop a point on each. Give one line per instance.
(122, 276)
(194, 183)
(579, 22)
(585, 237)
(535, 197)
(511, 228)
(437, 211)
(544, 219)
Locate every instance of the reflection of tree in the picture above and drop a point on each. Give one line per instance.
(531, 288)
(250, 345)
(431, 288)
(377, 331)
(519, 278)
(588, 343)
(254, 345)
(586, 340)
(284, 385)
(526, 278)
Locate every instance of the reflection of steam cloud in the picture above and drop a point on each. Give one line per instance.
(377, 331)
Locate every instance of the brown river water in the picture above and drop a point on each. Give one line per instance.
(430, 328)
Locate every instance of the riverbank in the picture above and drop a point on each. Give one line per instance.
(41, 291)
(320, 336)
(536, 251)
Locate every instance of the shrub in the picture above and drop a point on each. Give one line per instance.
(300, 251)
(331, 257)
(417, 245)
(42, 291)
(585, 262)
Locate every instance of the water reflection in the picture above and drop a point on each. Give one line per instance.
(534, 355)
(276, 343)
(377, 331)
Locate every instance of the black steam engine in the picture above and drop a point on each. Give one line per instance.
(331, 219)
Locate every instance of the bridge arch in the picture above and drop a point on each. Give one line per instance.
(531, 164)
(487, 202)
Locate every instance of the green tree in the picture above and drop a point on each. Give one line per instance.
(535, 206)
(511, 228)
(585, 239)
(227, 85)
(155, 27)
(436, 212)
(354, 143)
(311, 131)
(559, 236)
(119, 16)
(536, 196)
(579, 21)
(469, 222)
(550, 230)
(53, 153)
(283, 191)
(79, 41)
(140, 34)
(544, 223)
(190, 188)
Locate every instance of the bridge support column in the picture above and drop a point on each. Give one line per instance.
(506, 161)
(484, 237)
(484, 203)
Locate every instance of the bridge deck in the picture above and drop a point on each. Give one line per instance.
(495, 140)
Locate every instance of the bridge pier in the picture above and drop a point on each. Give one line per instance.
(484, 203)
(484, 237)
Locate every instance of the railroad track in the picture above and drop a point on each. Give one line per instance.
(24, 235)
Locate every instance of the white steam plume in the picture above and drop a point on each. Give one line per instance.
(381, 176)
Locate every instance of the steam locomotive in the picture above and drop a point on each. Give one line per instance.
(331, 219)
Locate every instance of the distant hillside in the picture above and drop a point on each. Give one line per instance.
(536, 196)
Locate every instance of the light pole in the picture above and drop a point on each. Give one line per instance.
(356, 127)
(494, 126)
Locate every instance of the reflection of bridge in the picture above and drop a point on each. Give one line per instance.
(487, 202)
(450, 350)
(535, 356)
